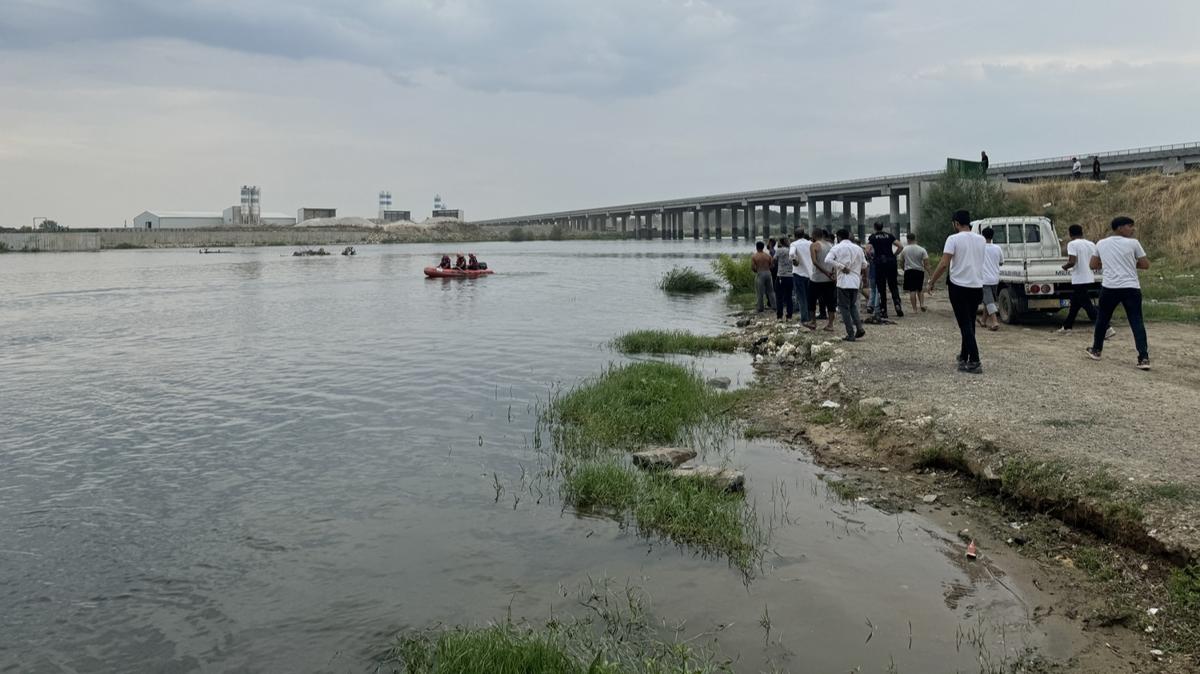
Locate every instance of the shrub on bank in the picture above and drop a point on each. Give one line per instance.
(687, 280)
(983, 198)
(736, 273)
(673, 341)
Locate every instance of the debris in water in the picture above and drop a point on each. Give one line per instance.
(1153, 611)
(1156, 653)
(965, 535)
(829, 404)
(972, 552)
(929, 498)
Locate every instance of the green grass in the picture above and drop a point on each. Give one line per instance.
(687, 280)
(1183, 587)
(607, 485)
(687, 511)
(842, 489)
(496, 649)
(614, 635)
(673, 341)
(633, 405)
(1095, 563)
(736, 273)
(1171, 491)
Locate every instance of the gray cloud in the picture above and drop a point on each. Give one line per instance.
(597, 48)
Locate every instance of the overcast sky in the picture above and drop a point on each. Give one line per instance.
(111, 107)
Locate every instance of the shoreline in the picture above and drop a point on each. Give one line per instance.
(1093, 560)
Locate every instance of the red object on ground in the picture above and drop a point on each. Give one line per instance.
(972, 553)
(438, 272)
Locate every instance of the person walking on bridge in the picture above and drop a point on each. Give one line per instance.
(846, 259)
(764, 286)
(963, 256)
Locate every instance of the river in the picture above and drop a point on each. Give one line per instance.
(253, 462)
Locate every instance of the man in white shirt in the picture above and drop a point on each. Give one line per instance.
(963, 255)
(846, 260)
(993, 257)
(1080, 252)
(1121, 256)
(1076, 168)
(801, 252)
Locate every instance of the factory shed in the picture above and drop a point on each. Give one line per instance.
(177, 219)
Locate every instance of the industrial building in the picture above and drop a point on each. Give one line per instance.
(248, 213)
(304, 214)
(441, 211)
(387, 213)
(177, 219)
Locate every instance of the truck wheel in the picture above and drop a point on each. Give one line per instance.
(1010, 306)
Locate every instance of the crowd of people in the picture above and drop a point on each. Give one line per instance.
(813, 277)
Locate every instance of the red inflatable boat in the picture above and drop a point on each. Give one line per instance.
(438, 272)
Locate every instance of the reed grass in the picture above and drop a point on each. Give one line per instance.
(687, 280)
(736, 273)
(614, 635)
(686, 511)
(633, 405)
(673, 341)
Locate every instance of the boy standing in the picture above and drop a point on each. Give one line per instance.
(1121, 256)
(1080, 252)
(916, 263)
(993, 257)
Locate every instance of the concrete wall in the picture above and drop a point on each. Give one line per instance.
(65, 242)
(198, 238)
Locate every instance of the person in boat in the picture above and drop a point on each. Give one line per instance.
(445, 263)
(472, 261)
(461, 262)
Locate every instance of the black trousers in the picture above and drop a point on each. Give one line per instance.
(965, 302)
(783, 296)
(1131, 300)
(885, 278)
(1080, 299)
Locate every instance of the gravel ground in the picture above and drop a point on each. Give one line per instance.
(1040, 393)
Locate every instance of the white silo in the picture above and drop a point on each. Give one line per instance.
(244, 209)
(385, 203)
(255, 205)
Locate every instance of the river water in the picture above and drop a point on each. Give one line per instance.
(254, 462)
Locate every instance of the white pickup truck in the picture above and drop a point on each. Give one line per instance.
(1031, 278)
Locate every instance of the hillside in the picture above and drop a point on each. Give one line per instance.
(1166, 209)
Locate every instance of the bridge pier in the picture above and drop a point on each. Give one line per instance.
(894, 212)
(717, 217)
(812, 214)
(862, 221)
(747, 229)
(914, 206)
(827, 214)
(846, 221)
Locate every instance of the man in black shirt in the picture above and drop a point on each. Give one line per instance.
(884, 248)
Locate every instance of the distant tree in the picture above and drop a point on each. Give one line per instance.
(983, 198)
(50, 226)
(517, 234)
(556, 233)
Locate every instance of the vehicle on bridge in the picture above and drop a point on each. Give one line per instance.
(1032, 279)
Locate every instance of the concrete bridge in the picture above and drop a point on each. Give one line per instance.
(749, 213)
